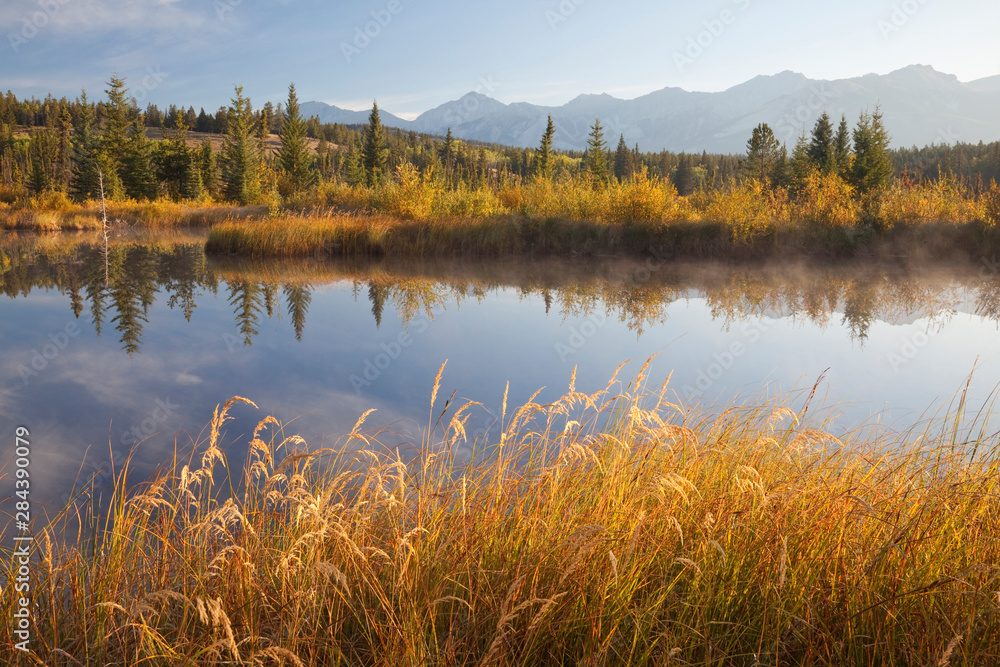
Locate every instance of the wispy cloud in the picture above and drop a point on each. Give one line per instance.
(103, 15)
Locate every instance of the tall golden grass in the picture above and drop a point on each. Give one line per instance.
(54, 211)
(414, 213)
(608, 528)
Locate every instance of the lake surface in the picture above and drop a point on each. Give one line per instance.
(133, 350)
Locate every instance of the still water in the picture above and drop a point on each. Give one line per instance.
(131, 351)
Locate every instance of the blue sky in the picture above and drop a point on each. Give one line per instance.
(413, 55)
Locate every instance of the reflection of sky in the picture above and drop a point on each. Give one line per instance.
(92, 394)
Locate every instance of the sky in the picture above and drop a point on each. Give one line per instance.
(413, 55)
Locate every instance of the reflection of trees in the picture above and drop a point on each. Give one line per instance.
(859, 294)
(376, 294)
(128, 294)
(298, 298)
(246, 297)
(185, 271)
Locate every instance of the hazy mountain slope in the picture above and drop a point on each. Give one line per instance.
(921, 106)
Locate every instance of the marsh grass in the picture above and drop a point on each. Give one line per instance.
(605, 528)
(54, 211)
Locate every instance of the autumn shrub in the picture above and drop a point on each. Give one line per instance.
(991, 205)
(409, 194)
(464, 201)
(750, 208)
(641, 199)
(828, 200)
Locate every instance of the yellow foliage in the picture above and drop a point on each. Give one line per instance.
(828, 200)
(939, 201)
(642, 199)
(749, 208)
(991, 205)
(410, 195)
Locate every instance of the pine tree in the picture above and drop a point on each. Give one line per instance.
(624, 165)
(842, 147)
(763, 153)
(544, 159)
(177, 166)
(204, 123)
(114, 142)
(43, 151)
(136, 173)
(241, 159)
(821, 149)
(64, 168)
(208, 168)
(595, 159)
(85, 182)
(872, 166)
(294, 157)
(448, 156)
(684, 178)
(801, 165)
(355, 167)
(375, 154)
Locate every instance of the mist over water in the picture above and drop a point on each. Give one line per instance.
(97, 367)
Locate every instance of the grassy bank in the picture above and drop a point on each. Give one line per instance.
(414, 215)
(55, 212)
(600, 529)
(411, 216)
(339, 234)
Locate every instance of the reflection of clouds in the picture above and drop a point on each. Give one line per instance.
(185, 378)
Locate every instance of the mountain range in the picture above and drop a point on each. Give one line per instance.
(921, 106)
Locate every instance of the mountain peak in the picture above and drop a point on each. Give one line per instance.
(918, 101)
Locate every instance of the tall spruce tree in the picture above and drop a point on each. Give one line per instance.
(294, 157)
(544, 160)
(241, 159)
(448, 156)
(684, 177)
(595, 159)
(375, 153)
(114, 142)
(763, 154)
(821, 149)
(85, 183)
(872, 166)
(136, 174)
(801, 165)
(624, 164)
(177, 166)
(842, 147)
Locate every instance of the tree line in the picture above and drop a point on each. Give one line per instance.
(71, 144)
